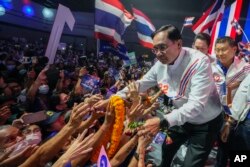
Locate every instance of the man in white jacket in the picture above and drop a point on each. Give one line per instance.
(228, 72)
(185, 76)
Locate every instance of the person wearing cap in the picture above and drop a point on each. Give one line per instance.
(54, 122)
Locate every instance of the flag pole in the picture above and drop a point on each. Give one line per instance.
(245, 35)
(182, 29)
(97, 48)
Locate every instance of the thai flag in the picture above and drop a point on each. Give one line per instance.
(207, 21)
(144, 28)
(223, 26)
(188, 21)
(119, 50)
(111, 20)
(236, 26)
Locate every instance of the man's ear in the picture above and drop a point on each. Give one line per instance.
(193, 45)
(179, 42)
(235, 48)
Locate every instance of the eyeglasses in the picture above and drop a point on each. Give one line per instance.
(160, 47)
(223, 50)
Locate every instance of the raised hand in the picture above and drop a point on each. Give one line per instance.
(101, 104)
(133, 91)
(155, 97)
(5, 113)
(77, 114)
(135, 112)
(153, 107)
(19, 158)
(109, 116)
(94, 99)
(42, 75)
(79, 147)
(151, 127)
(83, 71)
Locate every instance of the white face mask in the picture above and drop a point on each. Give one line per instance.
(31, 139)
(34, 138)
(43, 89)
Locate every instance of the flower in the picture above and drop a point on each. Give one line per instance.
(113, 135)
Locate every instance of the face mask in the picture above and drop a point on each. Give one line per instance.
(44, 89)
(34, 138)
(11, 67)
(22, 72)
(70, 103)
(21, 98)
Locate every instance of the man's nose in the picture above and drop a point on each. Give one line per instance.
(158, 53)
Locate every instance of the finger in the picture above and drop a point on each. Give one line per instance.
(82, 113)
(79, 154)
(7, 153)
(4, 107)
(89, 137)
(108, 107)
(83, 134)
(134, 86)
(78, 106)
(83, 107)
(86, 151)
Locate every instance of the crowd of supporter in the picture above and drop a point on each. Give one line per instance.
(47, 110)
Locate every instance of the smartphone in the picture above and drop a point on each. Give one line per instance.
(34, 117)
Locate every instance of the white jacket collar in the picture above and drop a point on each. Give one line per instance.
(178, 60)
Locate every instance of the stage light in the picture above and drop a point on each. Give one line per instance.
(28, 10)
(26, 2)
(47, 13)
(7, 4)
(2, 10)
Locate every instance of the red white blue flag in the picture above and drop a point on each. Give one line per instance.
(111, 20)
(208, 19)
(144, 28)
(188, 21)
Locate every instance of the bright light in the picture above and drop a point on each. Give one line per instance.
(26, 2)
(7, 4)
(28, 10)
(47, 13)
(2, 10)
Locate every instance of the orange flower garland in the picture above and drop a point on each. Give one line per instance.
(113, 134)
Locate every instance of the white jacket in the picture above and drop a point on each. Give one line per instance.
(189, 83)
(241, 102)
(238, 70)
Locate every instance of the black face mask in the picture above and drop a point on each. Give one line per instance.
(70, 103)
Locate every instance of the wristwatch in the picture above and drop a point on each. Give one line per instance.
(164, 123)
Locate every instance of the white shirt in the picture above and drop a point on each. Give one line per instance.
(241, 102)
(189, 83)
(237, 71)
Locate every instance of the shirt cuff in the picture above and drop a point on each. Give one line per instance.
(172, 118)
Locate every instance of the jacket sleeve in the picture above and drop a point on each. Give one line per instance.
(148, 80)
(241, 102)
(201, 86)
